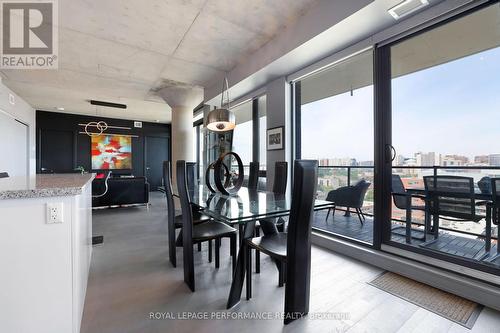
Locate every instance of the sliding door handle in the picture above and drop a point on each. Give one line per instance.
(390, 153)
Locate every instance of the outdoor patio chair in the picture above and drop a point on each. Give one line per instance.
(451, 198)
(403, 200)
(350, 197)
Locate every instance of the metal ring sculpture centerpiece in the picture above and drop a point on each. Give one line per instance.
(223, 178)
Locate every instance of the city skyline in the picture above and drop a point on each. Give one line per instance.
(487, 159)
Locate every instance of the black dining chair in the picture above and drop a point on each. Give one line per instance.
(273, 226)
(201, 232)
(191, 174)
(291, 249)
(253, 177)
(279, 187)
(175, 221)
(4, 175)
(451, 198)
(493, 216)
(403, 200)
(280, 177)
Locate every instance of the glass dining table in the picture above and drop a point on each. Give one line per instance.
(243, 209)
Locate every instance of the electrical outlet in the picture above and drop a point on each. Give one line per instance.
(54, 213)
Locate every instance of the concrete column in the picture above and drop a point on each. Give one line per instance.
(182, 99)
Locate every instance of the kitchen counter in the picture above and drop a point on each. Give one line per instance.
(48, 258)
(40, 186)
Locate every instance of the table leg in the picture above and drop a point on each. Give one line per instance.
(408, 219)
(487, 245)
(248, 230)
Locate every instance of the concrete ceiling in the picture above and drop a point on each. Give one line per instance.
(334, 25)
(124, 51)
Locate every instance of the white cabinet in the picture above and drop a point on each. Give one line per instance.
(44, 267)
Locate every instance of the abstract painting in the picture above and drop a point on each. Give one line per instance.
(111, 152)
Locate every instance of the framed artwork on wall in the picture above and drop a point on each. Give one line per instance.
(111, 152)
(276, 138)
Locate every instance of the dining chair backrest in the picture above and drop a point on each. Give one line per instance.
(495, 193)
(280, 177)
(452, 196)
(168, 192)
(4, 175)
(187, 223)
(484, 185)
(191, 174)
(398, 187)
(299, 230)
(253, 177)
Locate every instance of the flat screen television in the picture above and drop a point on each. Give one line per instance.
(111, 152)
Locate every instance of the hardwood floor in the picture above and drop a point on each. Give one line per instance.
(131, 278)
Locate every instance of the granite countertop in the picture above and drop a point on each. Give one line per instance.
(40, 186)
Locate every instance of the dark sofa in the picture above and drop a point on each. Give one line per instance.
(121, 191)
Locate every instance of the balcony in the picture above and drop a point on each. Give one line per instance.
(464, 240)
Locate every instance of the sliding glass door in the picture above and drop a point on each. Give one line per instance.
(445, 87)
(334, 122)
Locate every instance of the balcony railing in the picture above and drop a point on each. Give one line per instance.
(332, 177)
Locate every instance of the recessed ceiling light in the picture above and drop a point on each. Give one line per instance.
(59, 108)
(407, 7)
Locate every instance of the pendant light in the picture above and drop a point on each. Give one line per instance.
(222, 119)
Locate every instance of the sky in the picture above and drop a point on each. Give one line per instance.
(452, 108)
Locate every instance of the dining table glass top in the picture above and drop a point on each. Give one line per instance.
(243, 206)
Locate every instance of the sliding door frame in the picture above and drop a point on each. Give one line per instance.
(296, 152)
(382, 85)
(383, 160)
(382, 102)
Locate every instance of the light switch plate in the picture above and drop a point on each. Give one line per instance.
(54, 213)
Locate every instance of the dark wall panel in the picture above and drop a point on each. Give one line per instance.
(57, 150)
(82, 151)
(61, 148)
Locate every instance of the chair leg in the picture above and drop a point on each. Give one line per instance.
(362, 214)
(281, 274)
(248, 252)
(217, 252)
(257, 253)
(232, 240)
(359, 216)
(199, 247)
(257, 261)
(172, 250)
(327, 214)
(240, 233)
(280, 224)
(498, 237)
(210, 251)
(333, 212)
(436, 226)
(178, 241)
